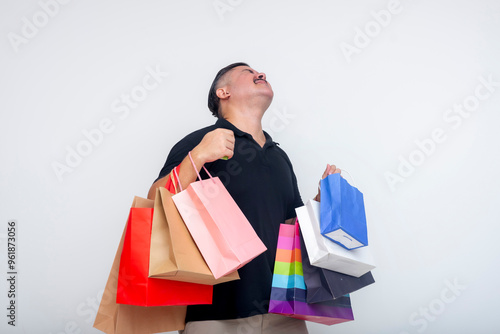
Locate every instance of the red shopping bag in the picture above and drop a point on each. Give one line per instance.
(134, 285)
(113, 318)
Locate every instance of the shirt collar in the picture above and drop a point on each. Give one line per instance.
(223, 123)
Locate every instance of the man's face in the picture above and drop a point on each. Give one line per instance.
(246, 82)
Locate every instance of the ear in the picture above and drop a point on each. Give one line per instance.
(223, 93)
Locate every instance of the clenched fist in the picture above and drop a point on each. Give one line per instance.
(330, 169)
(215, 145)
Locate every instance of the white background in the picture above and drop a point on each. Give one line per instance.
(362, 111)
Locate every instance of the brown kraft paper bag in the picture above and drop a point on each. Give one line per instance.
(113, 318)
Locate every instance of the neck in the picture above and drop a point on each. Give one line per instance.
(249, 122)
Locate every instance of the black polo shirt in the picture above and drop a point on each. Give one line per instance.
(262, 182)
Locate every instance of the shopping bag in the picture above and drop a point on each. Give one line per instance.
(343, 218)
(174, 254)
(323, 284)
(325, 253)
(288, 291)
(134, 285)
(219, 228)
(113, 318)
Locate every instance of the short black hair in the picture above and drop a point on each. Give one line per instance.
(213, 99)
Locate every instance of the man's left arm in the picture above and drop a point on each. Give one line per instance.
(330, 169)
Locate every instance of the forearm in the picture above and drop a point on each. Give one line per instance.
(187, 173)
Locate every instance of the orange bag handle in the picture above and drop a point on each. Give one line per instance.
(178, 179)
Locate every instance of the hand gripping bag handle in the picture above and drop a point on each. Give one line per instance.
(196, 170)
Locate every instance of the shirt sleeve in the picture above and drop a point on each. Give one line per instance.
(297, 199)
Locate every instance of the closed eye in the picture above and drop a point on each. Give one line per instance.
(246, 69)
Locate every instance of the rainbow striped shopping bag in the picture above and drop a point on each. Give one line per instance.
(288, 293)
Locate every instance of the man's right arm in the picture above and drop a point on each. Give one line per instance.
(215, 145)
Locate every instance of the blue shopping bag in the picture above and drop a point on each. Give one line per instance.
(342, 214)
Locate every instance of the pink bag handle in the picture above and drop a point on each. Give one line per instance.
(196, 170)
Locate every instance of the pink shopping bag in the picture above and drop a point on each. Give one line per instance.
(219, 228)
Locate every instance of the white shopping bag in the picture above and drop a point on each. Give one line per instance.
(327, 254)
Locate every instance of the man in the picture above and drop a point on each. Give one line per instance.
(260, 178)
